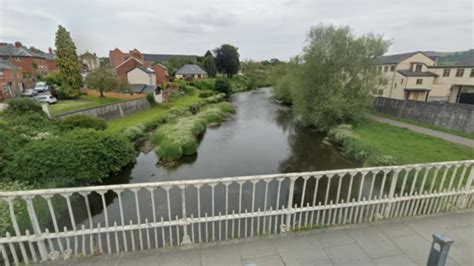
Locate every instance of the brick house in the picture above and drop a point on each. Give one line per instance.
(161, 71)
(123, 68)
(31, 61)
(10, 80)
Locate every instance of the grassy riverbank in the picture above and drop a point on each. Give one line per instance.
(155, 112)
(378, 144)
(84, 102)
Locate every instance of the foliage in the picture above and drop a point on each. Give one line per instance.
(53, 78)
(102, 80)
(174, 64)
(258, 73)
(151, 99)
(10, 142)
(222, 85)
(20, 106)
(84, 102)
(209, 64)
(205, 94)
(79, 157)
(134, 133)
(204, 84)
(227, 59)
(335, 76)
(68, 64)
(84, 121)
(18, 205)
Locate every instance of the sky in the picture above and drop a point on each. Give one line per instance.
(261, 29)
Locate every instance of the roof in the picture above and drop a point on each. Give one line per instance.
(142, 88)
(11, 50)
(191, 69)
(144, 69)
(128, 59)
(6, 65)
(409, 73)
(167, 57)
(397, 58)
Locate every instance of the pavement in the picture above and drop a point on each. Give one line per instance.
(396, 242)
(424, 130)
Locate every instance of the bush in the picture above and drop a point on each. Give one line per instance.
(204, 84)
(151, 99)
(32, 124)
(84, 121)
(222, 85)
(169, 151)
(134, 133)
(21, 106)
(205, 94)
(79, 157)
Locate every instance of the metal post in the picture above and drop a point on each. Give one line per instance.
(289, 207)
(439, 250)
(36, 228)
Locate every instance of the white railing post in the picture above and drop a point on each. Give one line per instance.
(186, 239)
(391, 193)
(467, 188)
(36, 228)
(289, 207)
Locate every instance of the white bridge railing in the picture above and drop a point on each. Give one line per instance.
(60, 223)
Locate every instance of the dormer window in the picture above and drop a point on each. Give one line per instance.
(418, 68)
(419, 81)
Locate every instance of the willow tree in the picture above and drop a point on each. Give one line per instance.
(68, 64)
(335, 76)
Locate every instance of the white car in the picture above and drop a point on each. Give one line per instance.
(41, 87)
(29, 93)
(46, 99)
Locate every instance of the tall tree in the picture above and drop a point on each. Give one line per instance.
(335, 76)
(102, 80)
(68, 64)
(209, 64)
(227, 59)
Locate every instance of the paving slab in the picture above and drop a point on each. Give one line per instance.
(374, 242)
(301, 251)
(350, 254)
(396, 260)
(252, 249)
(221, 255)
(332, 238)
(272, 260)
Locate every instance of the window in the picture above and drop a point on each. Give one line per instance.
(392, 68)
(419, 81)
(472, 73)
(460, 72)
(417, 68)
(18, 59)
(446, 72)
(385, 69)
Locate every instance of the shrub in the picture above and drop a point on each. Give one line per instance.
(151, 99)
(18, 205)
(32, 123)
(84, 121)
(21, 106)
(205, 94)
(222, 85)
(79, 157)
(134, 133)
(204, 84)
(169, 151)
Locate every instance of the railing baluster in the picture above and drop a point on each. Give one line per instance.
(30, 245)
(106, 218)
(414, 181)
(253, 207)
(265, 203)
(163, 237)
(213, 209)
(117, 246)
(153, 210)
(167, 189)
(12, 249)
(290, 204)
(36, 227)
(314, 198)
(226, 207)
(122, 220)
(17, 228)
(147, 230)
(6, 260)
(186, 239)
(198, 189)
(137, 211)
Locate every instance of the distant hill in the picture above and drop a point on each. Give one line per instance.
(460, 58)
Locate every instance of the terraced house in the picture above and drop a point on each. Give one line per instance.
(417, 76)
(31, 61)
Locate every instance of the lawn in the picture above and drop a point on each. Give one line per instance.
(63, 106)
(152, 113)
(426, 125)
(407, 146)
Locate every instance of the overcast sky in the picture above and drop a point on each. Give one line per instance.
(261, 29)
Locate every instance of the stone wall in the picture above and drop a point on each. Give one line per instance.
(112, 111)
(448, 115)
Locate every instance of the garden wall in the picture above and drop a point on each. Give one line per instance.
(448, 115)
(112, 111)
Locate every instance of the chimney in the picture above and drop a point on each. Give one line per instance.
(18, 44)
(50, 50)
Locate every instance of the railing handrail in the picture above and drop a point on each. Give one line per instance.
(316, 174)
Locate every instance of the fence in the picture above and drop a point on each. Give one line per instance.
(61, 223)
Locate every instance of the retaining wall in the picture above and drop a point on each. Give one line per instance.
(448, 115)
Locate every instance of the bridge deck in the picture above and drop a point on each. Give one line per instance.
(401, 242)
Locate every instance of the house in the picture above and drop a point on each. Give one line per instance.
(89, 61)
(31, 61)
(191, 71)
(162, 76)
(141, 75)
(10, 80)
(416, 76)
(116, 57)
(123, 68)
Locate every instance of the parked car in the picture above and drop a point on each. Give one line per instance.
(46, 99)
(41, 87)
(29, 93)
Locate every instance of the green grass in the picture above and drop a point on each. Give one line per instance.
(155, 112)
(425, 125)
(407, 146)
(63, 106)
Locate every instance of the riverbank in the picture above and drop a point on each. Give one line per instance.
(376, 143)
